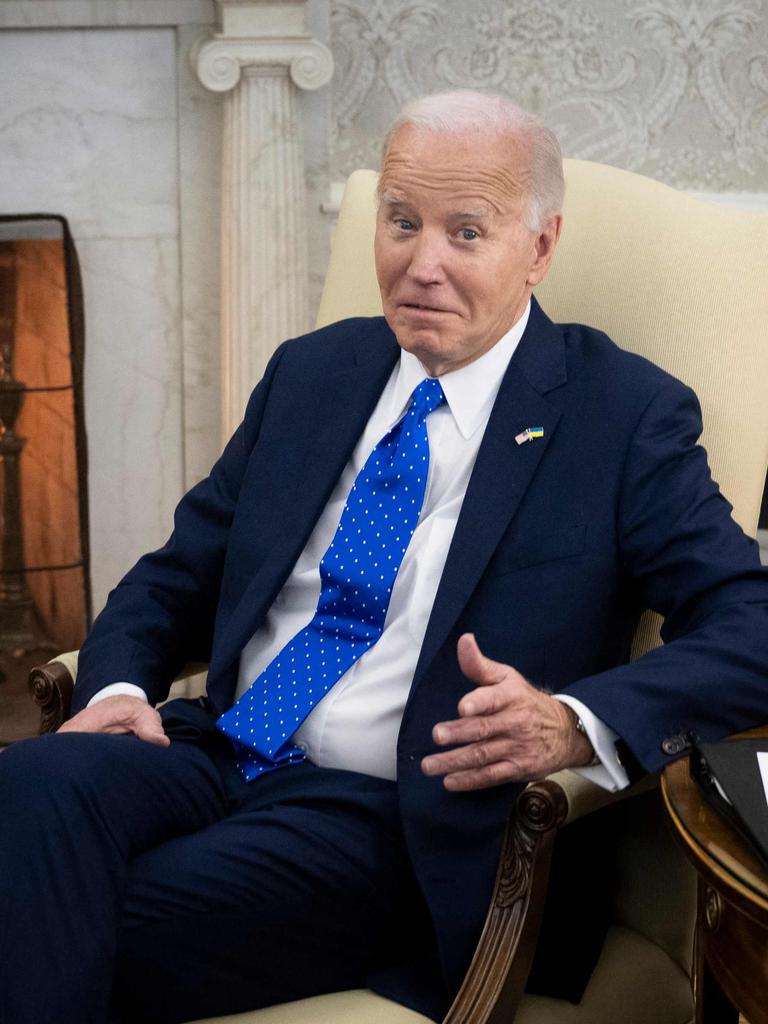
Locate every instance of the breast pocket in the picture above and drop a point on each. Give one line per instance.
(538, 547)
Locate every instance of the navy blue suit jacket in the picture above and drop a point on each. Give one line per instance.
(561, 543)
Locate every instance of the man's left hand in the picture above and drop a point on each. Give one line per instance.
(508, 730)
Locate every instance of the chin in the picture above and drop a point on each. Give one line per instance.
(426, 341)
(426, 350)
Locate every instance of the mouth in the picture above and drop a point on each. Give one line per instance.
(419, 307)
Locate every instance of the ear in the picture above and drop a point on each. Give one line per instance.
(545, 244)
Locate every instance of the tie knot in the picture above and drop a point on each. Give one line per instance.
(427, 396)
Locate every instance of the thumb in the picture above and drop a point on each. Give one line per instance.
(149, 727)
(474, 664)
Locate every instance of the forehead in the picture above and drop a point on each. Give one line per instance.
(422, 163)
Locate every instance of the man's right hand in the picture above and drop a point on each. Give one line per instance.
(120, 715)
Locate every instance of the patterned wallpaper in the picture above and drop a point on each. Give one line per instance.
(676, 89)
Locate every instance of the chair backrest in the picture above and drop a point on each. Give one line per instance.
(677, 279)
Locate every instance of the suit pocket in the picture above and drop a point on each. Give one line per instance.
(538, 547)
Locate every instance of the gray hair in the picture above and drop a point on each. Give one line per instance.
(465, 111)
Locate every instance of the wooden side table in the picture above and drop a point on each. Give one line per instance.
(731, 943)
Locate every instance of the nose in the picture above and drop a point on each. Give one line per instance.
(427, 264)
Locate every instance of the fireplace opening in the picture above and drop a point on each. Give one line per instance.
(45, 601)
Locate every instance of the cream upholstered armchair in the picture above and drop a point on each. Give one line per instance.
(682, 282)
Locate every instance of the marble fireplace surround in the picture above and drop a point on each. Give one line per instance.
(192, 146)
(169, 133)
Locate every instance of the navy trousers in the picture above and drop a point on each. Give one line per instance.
(152, 884)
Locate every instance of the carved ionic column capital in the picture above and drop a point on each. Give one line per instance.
(219, 61)
(265, 34)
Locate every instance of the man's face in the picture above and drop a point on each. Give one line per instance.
(455, 261)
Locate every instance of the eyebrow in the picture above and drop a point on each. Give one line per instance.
(479, 213)
(388, 198)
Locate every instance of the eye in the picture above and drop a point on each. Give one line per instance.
(468, 234)
(403, 223)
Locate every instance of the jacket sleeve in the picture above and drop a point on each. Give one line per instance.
(162, 612)
(694, 565)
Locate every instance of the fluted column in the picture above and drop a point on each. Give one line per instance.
(260, 58)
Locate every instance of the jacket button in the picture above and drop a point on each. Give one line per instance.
(674, 745)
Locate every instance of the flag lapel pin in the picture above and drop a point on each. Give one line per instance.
(529, 434)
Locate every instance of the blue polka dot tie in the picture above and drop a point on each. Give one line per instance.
(357, 574)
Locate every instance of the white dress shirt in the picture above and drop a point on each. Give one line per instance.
(356, 725)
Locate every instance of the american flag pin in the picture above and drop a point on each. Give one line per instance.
(529, 434)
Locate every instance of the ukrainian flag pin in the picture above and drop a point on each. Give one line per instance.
(529, 434)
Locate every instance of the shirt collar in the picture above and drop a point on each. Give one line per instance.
(471, 390)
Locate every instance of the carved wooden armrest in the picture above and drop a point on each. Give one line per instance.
(494, 983)
(52, 686)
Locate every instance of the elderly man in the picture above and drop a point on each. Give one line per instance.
(425, 525)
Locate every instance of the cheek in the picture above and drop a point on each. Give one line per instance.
(475, 288)
(386, 267)
(381, 251)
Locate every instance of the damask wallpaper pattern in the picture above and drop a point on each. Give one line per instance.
(676, 89)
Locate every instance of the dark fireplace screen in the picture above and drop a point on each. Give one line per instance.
(44, 573)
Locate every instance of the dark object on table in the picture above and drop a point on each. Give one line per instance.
(728, 775)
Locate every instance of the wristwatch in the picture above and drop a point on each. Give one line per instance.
(580, 727)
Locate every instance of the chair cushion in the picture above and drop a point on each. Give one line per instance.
(628, 965)
(356, 1007)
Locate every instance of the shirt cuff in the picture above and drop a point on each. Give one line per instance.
(610, 773)
(118, 690)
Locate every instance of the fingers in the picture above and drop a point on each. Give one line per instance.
(476, 766)
(496, 774)
(470, 729)
(120, 715)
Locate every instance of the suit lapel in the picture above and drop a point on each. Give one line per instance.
(342, 407)
(502, 472)
(335, 417)
(354, 393)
